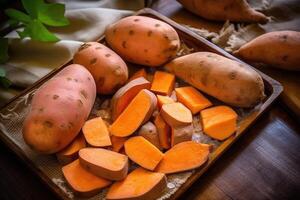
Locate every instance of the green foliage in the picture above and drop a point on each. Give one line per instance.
(34, 22)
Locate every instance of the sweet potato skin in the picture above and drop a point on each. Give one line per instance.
(284, 51)
(227, 80)
(59, 109)
(143, 40)
(108, 69)
(222, 10)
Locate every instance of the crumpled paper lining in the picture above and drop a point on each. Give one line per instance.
(12, 117)
(232, 36)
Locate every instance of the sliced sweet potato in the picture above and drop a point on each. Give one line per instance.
(192, 98)
(142, 152)
(161, 100)
(135, 114)
(163, 83)
(149, 132)
(96, 133)
(104, 163)
(138, 74)
(139, 184)
(70, 153)
(219, 122)
(176, 114)
(181, 134)
(83, 183)
(125, 94)
(164, 132)
(117, 143)
(182, 157)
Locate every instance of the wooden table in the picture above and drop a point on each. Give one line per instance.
(263, 164)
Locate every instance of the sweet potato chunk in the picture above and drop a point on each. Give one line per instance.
(70, 153)
(96, 133)
(125, 94)
(104, 163)
(176, 114)
(138, 74)
(183, 156)
(163, 83)
(139, 184)
(149, 132)
(83, 182)
(164, 132)
(117, 143)
(161, 100)
(139, 109)
(181, 134)
(143, 152)
(219, 122)
(192, 98)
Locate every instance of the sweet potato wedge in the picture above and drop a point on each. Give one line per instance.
(176, 114)
(104, 163)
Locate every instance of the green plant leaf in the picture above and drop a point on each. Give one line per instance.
(4, 82)
(17, 15)
(37, 31)
(24, 33)
(53, 14)
(32, 6)
(3, 50)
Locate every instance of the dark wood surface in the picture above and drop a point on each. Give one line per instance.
(263, 164)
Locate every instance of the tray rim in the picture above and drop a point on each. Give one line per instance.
(275, 87)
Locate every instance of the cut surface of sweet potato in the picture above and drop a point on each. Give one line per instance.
(117, 143)
(161, 100)
(182, 157)
(139, 109)
(104, 163)
(83, 183)
(125, 94)
(176, 114)
(163, 83)
(181, 134)
(70, 153)
(164, 132)
(96, 133)
(139, 184)
(143, 152)
(138, 74)
(192, 98)
(219, 122)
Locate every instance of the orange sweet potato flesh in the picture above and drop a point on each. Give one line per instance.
(163, 83)
(104, 163)
(181, 134)
(219, 122)
(143, 152)
(183, 156)
(125, 94)
(117, 143)
(139, 109)
(192, 98)
(96, 133)
(164, 132)
(140, 184)
(176, 114)
(161, 100)
(138, 74)
(83, 183)
(70, 153)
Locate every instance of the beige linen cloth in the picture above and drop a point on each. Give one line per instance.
(31, 60)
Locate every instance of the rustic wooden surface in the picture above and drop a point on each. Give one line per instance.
(263, 164)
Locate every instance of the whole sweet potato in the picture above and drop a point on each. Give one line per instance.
(143, 40)
(222, 10)
(220, 77)
(108, 69)
(58, 110)
(280, 49)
